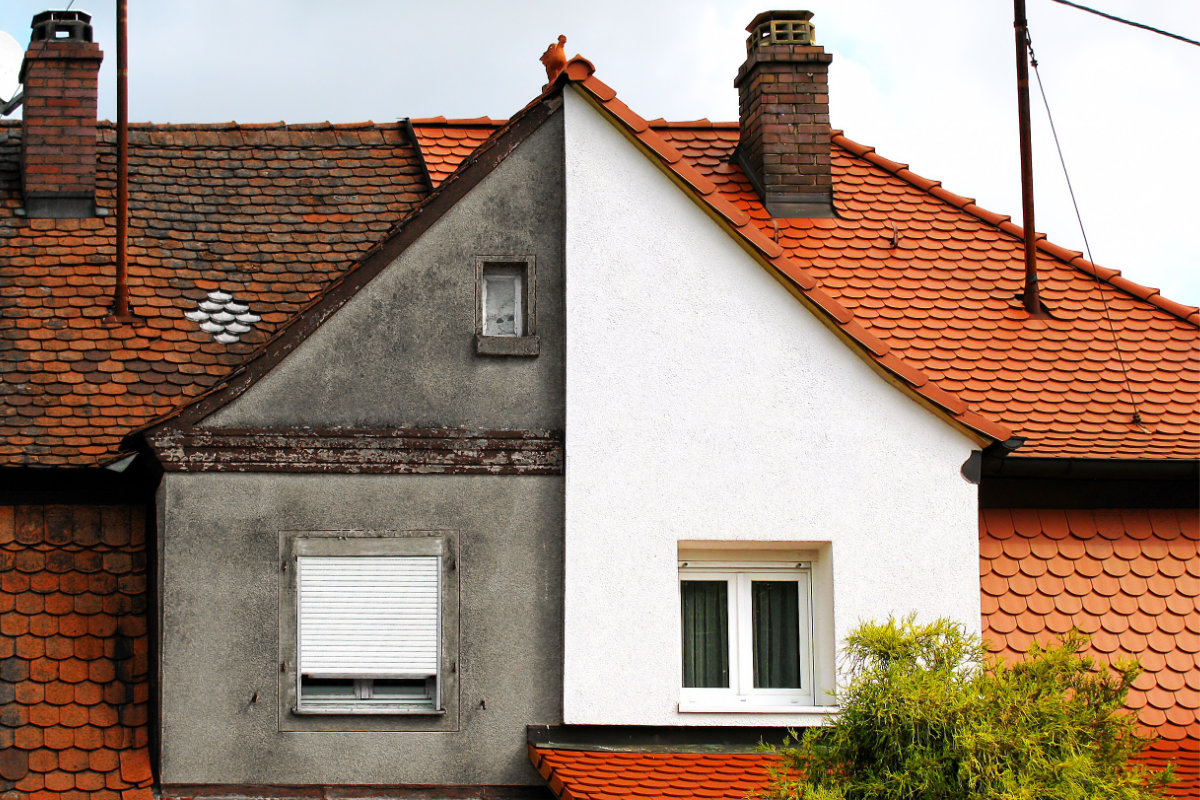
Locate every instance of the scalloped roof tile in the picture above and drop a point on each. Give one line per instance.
(921, 279)
(74, 652)
(582, 774)
(1128, 578)
(446, 143)
(268, 213)
(607, 775)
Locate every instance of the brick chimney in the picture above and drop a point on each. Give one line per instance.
(58, 132)
(783, 94)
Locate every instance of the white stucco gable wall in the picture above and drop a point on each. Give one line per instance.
(705, 403)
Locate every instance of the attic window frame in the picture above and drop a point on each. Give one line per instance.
(526, 342)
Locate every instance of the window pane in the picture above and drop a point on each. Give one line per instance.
(705, 634)
(326, 688)
(776, 634)
(385, 689)
(500, 305)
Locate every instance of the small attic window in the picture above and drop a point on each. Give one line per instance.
(503, 290)
(505, 306)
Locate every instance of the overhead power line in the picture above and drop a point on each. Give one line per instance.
(1137, 414)
(1124, 21)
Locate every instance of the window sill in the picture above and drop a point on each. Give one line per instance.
(735, 707)
(507, 345)
(354, 710)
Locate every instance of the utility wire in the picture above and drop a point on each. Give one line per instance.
(1124, 21)
(1137, 416)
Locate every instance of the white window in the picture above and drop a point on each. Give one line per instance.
(506, 306)
(368, 628)
(747, 636)
(503, 300)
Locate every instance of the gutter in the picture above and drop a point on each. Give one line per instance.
(1090, 468)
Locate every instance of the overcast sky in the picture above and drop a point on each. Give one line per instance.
(929, 83)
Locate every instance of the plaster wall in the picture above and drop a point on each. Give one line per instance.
(402, 352)
(706, 403)
(221, 592)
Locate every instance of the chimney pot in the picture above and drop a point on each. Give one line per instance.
(784, 144)
(61, 26)
(781, 27)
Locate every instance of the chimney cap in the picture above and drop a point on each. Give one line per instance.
(781, 27)
(62, 26)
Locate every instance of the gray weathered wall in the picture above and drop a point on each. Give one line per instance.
(220, 592)
(400, 353)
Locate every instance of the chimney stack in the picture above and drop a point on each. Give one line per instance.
(783, 94)
(58, 132)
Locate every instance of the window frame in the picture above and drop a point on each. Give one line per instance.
(524, 271)
(362, 682)
(298, 714)
(741, 694)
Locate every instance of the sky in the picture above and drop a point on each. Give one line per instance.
(929, 83)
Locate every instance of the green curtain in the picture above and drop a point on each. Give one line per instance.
(776, 634)
(705, 634)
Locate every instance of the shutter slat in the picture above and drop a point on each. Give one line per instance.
(368, 615)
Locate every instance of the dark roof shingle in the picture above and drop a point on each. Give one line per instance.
(267, 213)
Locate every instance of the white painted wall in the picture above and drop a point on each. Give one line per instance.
(704, 402)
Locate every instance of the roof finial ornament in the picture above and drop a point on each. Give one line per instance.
(555, 59)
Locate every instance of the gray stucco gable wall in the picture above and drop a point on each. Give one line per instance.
(401, 352)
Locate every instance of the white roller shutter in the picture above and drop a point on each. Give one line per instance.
(368, 616)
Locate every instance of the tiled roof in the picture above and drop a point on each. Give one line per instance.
(607, 775)
(74, 672)
(1130, 579)
(267, 213)
(1185, 755)
(923, 281)
(577, 774)
(446, 143)
(935, 276)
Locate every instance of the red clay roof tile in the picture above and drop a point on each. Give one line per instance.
(580, 774)
(77, 383)
(1038, 378)
(595, 775)
(68, 681)
(1118, 607)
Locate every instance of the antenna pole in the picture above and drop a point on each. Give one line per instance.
(121, 291)
(1021, 26)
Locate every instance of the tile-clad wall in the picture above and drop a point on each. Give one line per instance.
(1129, 578)
(74, 666)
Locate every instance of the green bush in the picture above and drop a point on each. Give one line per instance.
(927, 714)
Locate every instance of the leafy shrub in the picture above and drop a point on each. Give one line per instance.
(927, 714)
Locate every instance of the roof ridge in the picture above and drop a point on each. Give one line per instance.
(704, 123)
(580, 72)
(1073, 258)
(466, 122)
(258, 126)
